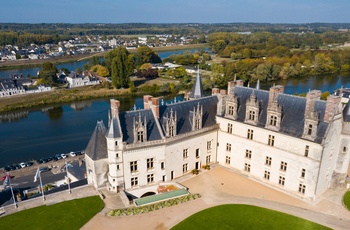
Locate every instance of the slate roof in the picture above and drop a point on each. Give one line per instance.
(97, 146)
(293, 110)
(114, 129)
(184, 112)
(127, 121)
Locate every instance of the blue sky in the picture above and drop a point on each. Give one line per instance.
(175, 11)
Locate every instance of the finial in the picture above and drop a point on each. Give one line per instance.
(135, 107)
(248, 84)
(174, 99)
(235, 77)
(162, 102)
(258, 85)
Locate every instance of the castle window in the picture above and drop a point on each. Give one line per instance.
(273, 120)
(302, 188)
(150, 162)
(228, 160)
(344, 149)
(267, 175)
(209, 146)
(250, 134)
(133, 166)
(162, 165)
(229, 128)
(268, 160)
(281, 180)
(118, 168)
(208, 159)
(283, 166)
(150, 178)
(271, 140)
(228, 147)
(197, 125)
(171, 131)
(248, 154)
(306, 153)
(197, 153)
(309, 130)
(140, 136)
(134, 181)
(185, 154)
(116, 143)
(251, 115)
(303, 171)
(184, 168)
(230, 110)
(117, 155)
(247, 167)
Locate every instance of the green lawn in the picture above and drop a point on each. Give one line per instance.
(347, 200)
(244, 217)
(66, 215)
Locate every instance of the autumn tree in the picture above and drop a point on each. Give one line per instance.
(121, 66)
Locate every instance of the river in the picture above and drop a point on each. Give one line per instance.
(29, 135)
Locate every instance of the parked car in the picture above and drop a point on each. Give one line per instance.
(58, 156)
(29, 163)
(63, 155)
(23, 165)
(44, 169)
(72, 154)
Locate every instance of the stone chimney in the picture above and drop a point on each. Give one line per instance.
(230, 87)
(215, 91)
(332, 108)
(239, 83)
(146, 100)
(115, 106)
(155, 106)
(274, 90)
(223, 92)
(311, 97)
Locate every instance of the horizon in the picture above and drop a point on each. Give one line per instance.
(175, 12)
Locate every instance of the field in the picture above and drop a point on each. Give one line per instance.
(244, 217)
(66, 215)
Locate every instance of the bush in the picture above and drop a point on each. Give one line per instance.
(195, 171)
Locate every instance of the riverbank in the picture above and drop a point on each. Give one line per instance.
(60, 95)
(5, 65)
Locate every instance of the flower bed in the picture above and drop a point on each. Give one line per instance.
(153, 207)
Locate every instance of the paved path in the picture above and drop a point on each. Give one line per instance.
(222, 186)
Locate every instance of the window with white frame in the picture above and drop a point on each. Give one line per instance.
(134, 181)
(229, 128)
(267, 175)
(133, 166)
(150, 178)
(228, 147)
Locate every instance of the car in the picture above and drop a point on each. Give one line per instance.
(63, 155)
(58, 156)
(7, 168)
(49, 159)
(23, 165)
(72, 154)
(29, 163)
(44, 169)
(39, 161)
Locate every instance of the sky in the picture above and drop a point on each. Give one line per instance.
(175, 11)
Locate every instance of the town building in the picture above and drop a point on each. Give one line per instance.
(294, 144)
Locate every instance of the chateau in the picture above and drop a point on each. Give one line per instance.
(294, 144)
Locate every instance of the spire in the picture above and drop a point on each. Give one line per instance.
(197, 90)
(257, 85)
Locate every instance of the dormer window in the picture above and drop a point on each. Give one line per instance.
(230, 110)
(140, 136)
(140, 130)
(309, 130)
(273, 120)
(170, 124)
(197, 117)
(251, 115)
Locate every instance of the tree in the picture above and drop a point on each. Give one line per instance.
(144, 54)
(48, 74)
(100, 70)
(121, 66)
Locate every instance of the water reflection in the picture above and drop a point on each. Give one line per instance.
(12, 117)
(55, 113)
(79, 106)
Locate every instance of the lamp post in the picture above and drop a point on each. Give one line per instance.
(13, 195)
(69, 190)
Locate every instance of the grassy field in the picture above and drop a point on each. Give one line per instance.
(244, 217)
(66, 215)
(347, 200)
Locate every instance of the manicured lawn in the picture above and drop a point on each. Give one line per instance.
(244, 217)
(347, 200)
(66, 215)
